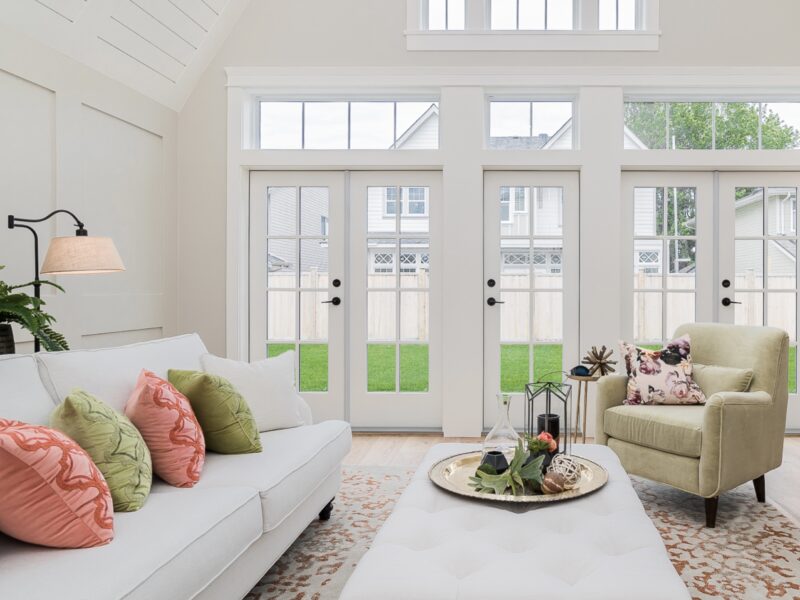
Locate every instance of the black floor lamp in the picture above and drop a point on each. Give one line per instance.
(75, 255)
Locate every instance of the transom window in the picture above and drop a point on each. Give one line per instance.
(343, 125)
(530, 125)
(712, 125)
(532, 14)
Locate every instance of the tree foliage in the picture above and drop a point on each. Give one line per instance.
(690, 126)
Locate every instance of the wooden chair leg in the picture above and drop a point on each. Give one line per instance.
(759, 485)
(711, 511)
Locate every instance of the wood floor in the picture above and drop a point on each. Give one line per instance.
(407, 450)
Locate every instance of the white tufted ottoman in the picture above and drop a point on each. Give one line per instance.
(435, 545)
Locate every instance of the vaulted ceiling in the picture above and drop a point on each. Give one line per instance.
(157, 47)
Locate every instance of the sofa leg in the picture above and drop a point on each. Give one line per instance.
(325, 513)
(711, 511)
(759, 484)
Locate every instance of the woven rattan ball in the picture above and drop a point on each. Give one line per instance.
(568, 467)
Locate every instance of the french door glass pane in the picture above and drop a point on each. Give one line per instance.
(325, 125)
(414, 260)
(782, 211)
(382, 206)
(313, 316)
(414, 209)
(648, 211)
(680, 310)
(548, 211)
(749, 211)
(781, 264)
(548, 316)
(682, 265)
(314, 211)
(281, 263)
(414, 368)
(648, 316)
(313, 367)
(314, 263)
(782, 312)
(515, 218)
(750, 311)
(281, 211)
(514, 367)
(381, 316)
(515, 263)
(515, 317)
(647, 256)
(548, 264)
(281, 315)
(681, 211)
(547, 362)
(749, 264)
(274, 350)
(382, 267)
(381, 367)
(414, 316)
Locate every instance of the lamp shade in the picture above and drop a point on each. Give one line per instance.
(77, 255)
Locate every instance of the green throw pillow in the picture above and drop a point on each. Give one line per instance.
(226, 420)
(113, 443)
(713, 379)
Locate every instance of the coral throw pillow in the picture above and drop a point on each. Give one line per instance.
(115, 445)
(52, 493)
(167, 423)
(661, 376)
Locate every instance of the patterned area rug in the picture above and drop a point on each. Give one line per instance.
(752, 554)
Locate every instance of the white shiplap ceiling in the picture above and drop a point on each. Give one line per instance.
(157, 47)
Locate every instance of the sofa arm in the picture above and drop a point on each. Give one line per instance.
(737, 445)
(611, 391)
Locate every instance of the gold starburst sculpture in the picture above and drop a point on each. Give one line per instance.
(599, 360)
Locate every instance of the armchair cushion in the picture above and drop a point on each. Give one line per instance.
(713, 379)
(673, 429)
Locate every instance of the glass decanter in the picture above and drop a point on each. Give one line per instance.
(502, 437)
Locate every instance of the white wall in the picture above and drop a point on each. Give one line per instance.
(72, 138)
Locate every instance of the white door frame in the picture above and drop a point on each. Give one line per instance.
(705, 244)
(324, 405)
(390, 410)
(493, 181)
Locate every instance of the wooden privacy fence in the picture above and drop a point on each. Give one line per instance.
(525, 315)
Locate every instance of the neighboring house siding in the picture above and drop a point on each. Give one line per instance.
(644, 199)
(425, 137)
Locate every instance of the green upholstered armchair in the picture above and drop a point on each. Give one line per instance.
(706, 450)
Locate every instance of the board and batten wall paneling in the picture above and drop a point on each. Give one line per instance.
(72, 138)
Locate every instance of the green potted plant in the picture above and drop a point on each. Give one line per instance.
(26, 311)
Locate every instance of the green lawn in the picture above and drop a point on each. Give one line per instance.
(514, 374)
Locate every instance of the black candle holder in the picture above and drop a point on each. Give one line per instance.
(547, 405)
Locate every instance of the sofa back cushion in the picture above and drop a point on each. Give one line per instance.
(111, 373)
(22, 395)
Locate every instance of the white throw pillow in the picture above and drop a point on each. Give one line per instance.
(268, 388)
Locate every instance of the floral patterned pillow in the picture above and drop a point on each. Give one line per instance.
(661, 376)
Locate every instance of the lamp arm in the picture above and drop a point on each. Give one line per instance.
(12, 220)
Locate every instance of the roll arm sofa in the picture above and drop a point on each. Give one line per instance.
(709, 449)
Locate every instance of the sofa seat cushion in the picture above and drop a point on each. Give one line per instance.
(111, 373)
(22, 395)
(292, 464)
(172, 548)
(673, 429)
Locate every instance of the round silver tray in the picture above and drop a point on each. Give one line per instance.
(452, 475)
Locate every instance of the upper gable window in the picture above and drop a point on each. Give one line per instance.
(348, 125)
(619, 15)
(531, 15)
(530, 125)
(445, 15)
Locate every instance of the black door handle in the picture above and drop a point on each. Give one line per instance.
(492, 302)
(728, 302)
(336, 301)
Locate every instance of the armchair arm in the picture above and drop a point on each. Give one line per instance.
(738, 442)
(611, 391)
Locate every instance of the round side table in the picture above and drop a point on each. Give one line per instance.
(583, 386)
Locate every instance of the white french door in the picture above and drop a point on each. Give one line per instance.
(345, 271)
(395, 299)
(758, 271)
(668, 227)
(530, 282)
(297, 263)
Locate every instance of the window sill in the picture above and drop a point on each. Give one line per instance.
(557, 41)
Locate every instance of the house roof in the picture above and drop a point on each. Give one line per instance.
(433, 110)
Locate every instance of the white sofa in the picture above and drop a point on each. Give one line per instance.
(213, 541)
